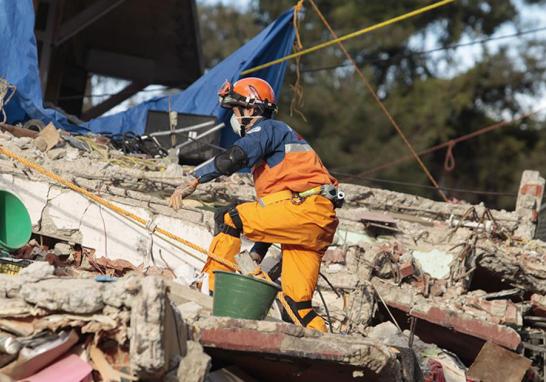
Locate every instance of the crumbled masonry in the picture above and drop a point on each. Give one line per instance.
(461, 281)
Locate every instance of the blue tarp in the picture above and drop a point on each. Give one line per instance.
(19, 65)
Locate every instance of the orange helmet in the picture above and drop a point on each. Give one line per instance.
(251, 92)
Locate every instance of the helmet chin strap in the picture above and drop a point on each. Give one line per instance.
(239, 124)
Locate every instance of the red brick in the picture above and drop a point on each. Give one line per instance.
(498, 334)
(538, 303)
(531, 189)
(241, 339)
(406, 269)
(334, 256)
(285, 339)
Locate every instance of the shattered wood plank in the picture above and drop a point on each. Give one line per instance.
(106, 371)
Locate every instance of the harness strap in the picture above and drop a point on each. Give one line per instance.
(234, 215)
(230, 230)
(275, 197)
(296, 306)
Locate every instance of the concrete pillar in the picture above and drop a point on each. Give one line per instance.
(530, 193)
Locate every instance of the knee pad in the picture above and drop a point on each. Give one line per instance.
(220, 225)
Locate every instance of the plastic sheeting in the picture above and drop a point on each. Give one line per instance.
(19, 65)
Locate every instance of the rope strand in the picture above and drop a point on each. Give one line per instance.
(381, 104)
(453, 142)
(349, 36)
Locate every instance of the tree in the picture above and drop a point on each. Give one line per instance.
(432, 105)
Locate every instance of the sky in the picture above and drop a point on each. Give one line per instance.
(531, 17)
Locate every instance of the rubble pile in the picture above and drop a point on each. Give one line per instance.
(413, 289)
(128, 322)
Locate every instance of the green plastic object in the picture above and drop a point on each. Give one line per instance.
(239, 296)
(15, 225)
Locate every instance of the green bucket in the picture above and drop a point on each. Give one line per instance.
(15, 225)
(239, 296)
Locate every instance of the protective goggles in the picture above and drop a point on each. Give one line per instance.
(229, 99)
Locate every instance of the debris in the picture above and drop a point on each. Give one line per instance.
(62, 249)
(435, 262)
(9, 344)
(246, 263)
(106, 371)
(18, 131)
(36, 271)
(465, 275)
(495, 363)
(43, 352)
(378, 223)
(105, 279)
(229, 374)
(153, 321)
(68, 369)
(195, 365)
(72, 295)
(445, 367)
(47, 138)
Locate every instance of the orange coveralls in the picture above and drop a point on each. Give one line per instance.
(282, 164)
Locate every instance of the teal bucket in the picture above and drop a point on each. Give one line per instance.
(15, 225)
(240, 296)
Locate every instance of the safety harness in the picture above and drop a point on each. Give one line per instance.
(329, 191)
(221, 225)
(297, 306)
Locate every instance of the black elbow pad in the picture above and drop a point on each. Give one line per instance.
(231, 160)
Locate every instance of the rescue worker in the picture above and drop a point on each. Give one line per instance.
(295, 195)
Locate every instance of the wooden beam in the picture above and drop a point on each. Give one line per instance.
(85, 18)
(118, 65)
(116, 99)
(46, 36)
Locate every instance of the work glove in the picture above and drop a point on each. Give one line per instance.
(183, 191)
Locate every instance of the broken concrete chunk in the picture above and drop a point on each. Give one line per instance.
(436, 263)
(14, 307)
(190, 311)
(62, 249)
(195, 366)
(148, 358)
(10, 285)
(384, 331)
(36, 271)
(122, 292)
(70, 295)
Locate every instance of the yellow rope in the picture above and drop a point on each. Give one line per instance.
(121, 211)
(349, 36)
(382, 106)
(138, 219)
(297, 88)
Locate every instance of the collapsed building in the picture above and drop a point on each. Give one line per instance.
(412, 289)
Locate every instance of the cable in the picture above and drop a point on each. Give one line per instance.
(389, 181)
(452, 142)
(381, 105)
(327, 311)
(425, 52)
(360, 32)
(330, 284)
